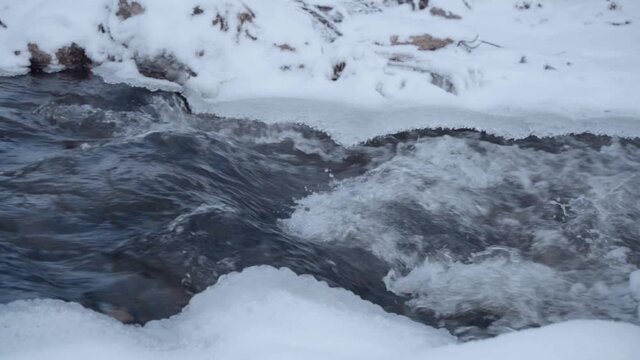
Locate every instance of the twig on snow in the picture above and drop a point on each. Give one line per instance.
(475, 43)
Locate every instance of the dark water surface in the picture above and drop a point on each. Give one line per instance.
(119, 199)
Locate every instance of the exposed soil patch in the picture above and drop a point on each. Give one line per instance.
(423, 42)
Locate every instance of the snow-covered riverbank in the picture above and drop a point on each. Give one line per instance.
(274, 314)
(562, 66)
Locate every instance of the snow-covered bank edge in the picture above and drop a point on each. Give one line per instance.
(370, 67)
(350, 125)
(268, 313)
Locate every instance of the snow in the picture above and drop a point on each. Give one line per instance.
(584, 340)
(260, 313)
(243, 68)
(492, 285)
(270, 313)
(350, 125)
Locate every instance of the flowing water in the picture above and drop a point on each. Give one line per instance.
(118, 198)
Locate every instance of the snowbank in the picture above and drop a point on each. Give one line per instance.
(584, 340)
(574, 59)
(274, 314)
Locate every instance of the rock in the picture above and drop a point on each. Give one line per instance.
(73, 57)
(165, 67)
(126, 10)
(424, 42)
(197, 11)
(39, 59)
(3, 25)
(436, 11)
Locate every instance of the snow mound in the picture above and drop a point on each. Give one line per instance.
(268, 313)
(574, 59)
(260, 313)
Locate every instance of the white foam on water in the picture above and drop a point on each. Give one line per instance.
(557, 221)
(492, 285)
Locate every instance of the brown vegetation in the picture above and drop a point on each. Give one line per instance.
(126, 10)
(424, 42)
(39, 59)
(73, 57)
